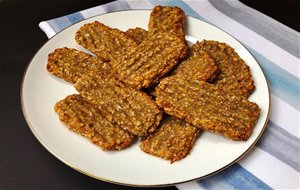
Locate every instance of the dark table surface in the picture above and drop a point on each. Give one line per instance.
(24, 163)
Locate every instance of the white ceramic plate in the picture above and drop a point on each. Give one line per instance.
(211, 153)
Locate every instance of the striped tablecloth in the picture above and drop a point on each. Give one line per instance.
(274, 163)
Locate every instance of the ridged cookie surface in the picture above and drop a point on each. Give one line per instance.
(123, 106)
(173, 140)
(208, 107)
(85, 119)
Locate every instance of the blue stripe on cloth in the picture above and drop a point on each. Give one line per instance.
(234, 177)
(76, 17)
(286, 149)
(61, 23)
(283, 84)
(116, 6)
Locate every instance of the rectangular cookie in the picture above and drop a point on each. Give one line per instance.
(167, 19)
(85, 119)
(198, 66)
(173, 140)
(123, 106)
(153, 58)
(208, 107)
(235, 76)
(105, 42)
(70, 64)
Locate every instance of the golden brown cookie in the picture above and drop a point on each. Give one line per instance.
(87, 120)
(105, 42)
(146, 63)
(197, 66)
(70, 64)
(123, 106)
(167, 19)
(137, 34)
(208, 107)
(235, 76)
(173, 140)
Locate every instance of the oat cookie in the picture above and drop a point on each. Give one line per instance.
(85, 119)
(208, 107)
(123, 106)
(70, 64)
(173, 140)
(234, 74)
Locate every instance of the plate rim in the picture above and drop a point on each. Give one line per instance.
(53, 153)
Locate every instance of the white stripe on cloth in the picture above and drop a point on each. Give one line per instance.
(139, 4)
(285, 116)
(92, 11)
(270, 170)
(47, 29)
(280, 34)
(278, 55)
(189, 186)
